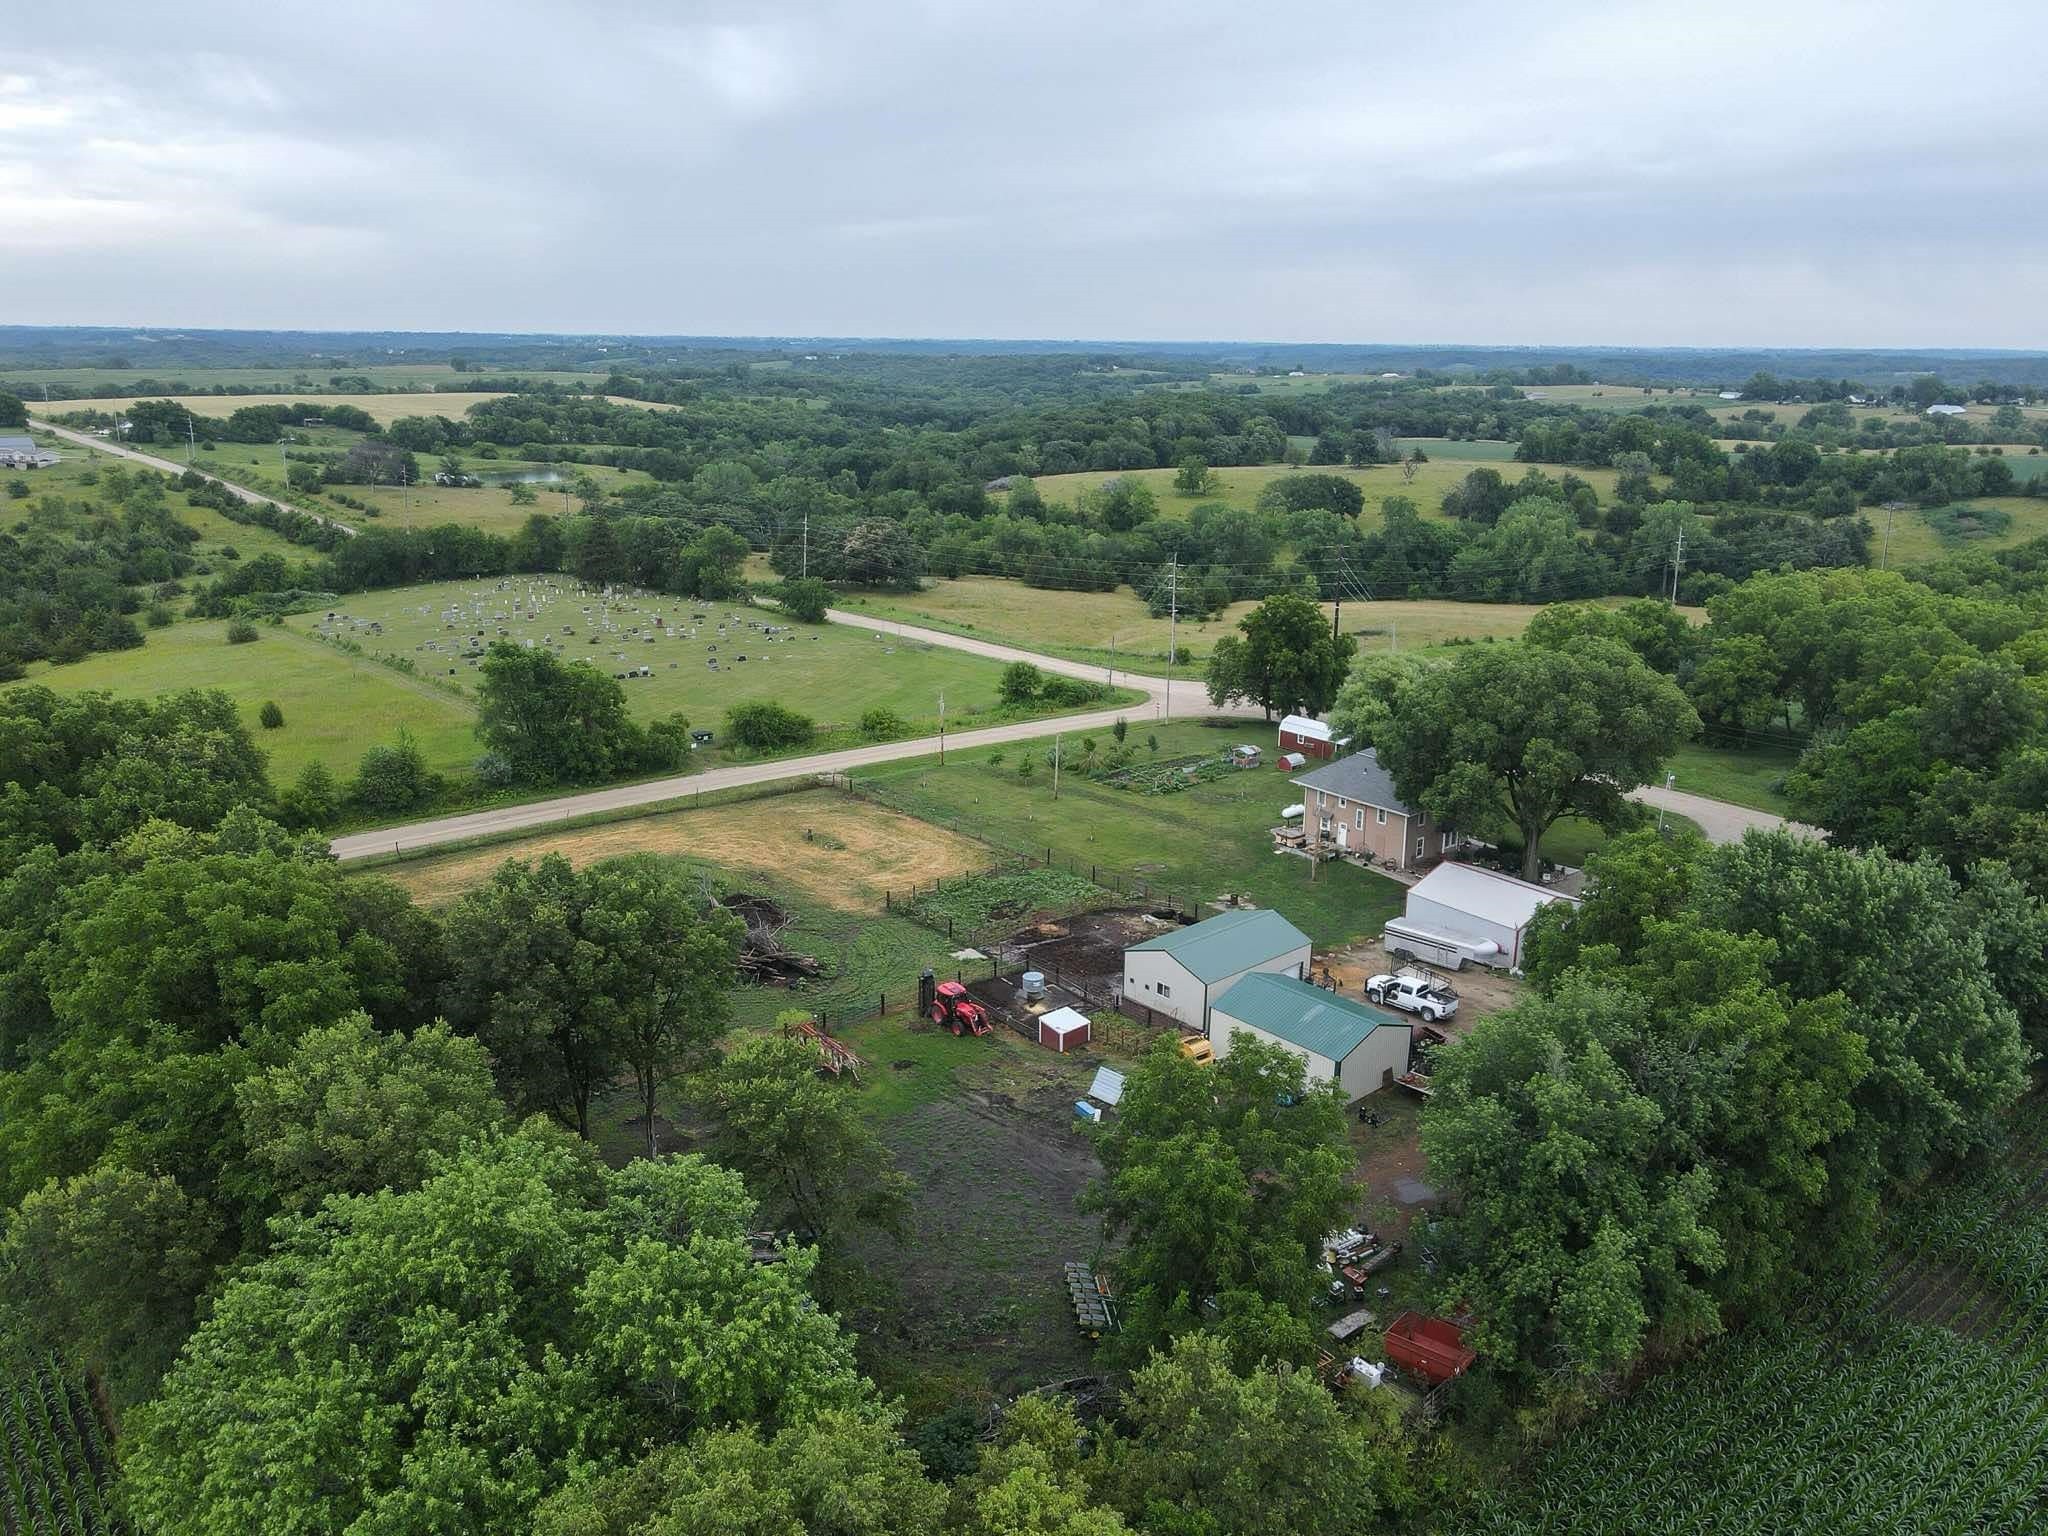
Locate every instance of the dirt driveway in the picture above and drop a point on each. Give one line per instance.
(1480, 991)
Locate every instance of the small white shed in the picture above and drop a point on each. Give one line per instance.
(1062, 1029)
(1478, 911)
(1179, 974)
(1349, 1043)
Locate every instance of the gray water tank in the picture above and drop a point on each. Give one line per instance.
(1032, 983)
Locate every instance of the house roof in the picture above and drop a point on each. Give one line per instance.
(1947, 410)
(1357, 777)
(1229, 942)
(16, 442)
(1485, 894)
(1301, 1014)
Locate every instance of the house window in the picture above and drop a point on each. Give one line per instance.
(1381, 817)
(1165, 990)
(1359, 821)
(1421, 846)
(1341, 802)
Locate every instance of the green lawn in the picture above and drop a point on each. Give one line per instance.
(1741, 776)
(335, 706)
(1194, 846)
(829, 672)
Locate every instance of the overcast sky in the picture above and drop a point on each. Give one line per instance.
(1789, 172)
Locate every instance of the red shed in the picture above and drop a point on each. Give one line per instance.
(1298, 733)
(1428, 1347)
(1063, 1029)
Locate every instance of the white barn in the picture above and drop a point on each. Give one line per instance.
(1179, 975)
(1349, 1043)
(1464, 912)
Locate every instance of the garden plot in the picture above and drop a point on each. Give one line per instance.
(670, 654)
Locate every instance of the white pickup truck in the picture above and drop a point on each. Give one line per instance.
(1413, 994)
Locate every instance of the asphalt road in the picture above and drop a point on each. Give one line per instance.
(172, 467)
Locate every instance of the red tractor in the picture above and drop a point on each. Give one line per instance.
(952, 1007)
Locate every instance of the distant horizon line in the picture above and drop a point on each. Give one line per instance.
(150, 333)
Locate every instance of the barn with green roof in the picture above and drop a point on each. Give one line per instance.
(1351, 1043)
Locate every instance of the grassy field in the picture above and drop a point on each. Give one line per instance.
(831, 673)
(335, 706)
(1914, 539)
(1196, 845)
(1742, 776)
(1079, 625)
(384, 409)
(1240, 485)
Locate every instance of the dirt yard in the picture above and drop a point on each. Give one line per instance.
(1480, 991)
(985, 1129)
(854, 851)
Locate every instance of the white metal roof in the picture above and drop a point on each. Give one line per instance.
(1302, 725)
(1108, 1086)
(1485, 894)
(1064, 1021)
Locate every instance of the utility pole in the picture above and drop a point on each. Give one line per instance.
(942, 727)
(191, 440)
(1057, 754)
(806, 567)
(1677, 563)
(1883, 564)
(1172, 629)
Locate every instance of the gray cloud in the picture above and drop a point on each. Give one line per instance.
(1634, 171)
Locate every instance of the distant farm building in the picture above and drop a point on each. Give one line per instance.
(1179, 975)
(1460, 913)
(1939, 409)
(1349, 1043)
(20, 451)
(1731, 394)
(1311, 738)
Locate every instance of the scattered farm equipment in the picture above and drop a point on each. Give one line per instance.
(1198, 1050)
(834, 1056)
(1430, 1348)
(1094, 1309)
(946, 1003)
(1417, 1083)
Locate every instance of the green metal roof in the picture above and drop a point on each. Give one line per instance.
(1229, 942)
(1301, 1014)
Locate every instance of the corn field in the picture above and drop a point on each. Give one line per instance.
(57, 1462)
(1911, 1398)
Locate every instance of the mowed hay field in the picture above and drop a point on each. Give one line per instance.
(836, 850)
(830, 673)
(1914, 539)
(1080, 625)
(300, 383)
(335, 706)
(383, 409)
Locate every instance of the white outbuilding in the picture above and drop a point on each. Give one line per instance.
(1349, 1043)
(1460, 912)
(1178, 975)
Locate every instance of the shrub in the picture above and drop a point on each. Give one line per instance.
(882, 724)
(312, 801)
(18, 489)
(393, 778)
(158, 615)
(765, 726)
(494, 770)
(1026, 766)
(270, 716)
(1070, 692)
(1020, 683)
(806, 599)
(1120, 730)
(240, 632)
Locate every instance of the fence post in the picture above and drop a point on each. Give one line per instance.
(883, 1006)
